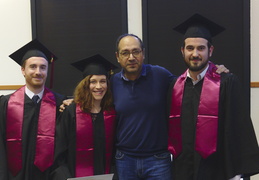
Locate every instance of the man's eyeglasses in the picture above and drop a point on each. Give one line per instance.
(126, 54)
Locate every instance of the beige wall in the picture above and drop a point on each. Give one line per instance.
(254, 67)
(15, 31)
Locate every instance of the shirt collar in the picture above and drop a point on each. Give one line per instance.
(199, 76)
(143, 72)
(31, 94)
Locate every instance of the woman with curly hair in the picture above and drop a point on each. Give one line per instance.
(85, 133)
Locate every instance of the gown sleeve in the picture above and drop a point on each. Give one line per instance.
(240, 145)
(3, 155)
(65, 121)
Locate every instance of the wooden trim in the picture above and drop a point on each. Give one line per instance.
(14, 87)
(254, 84)
(10, 87)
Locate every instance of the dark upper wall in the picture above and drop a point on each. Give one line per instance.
(76, 29)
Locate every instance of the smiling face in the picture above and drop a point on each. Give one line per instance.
(98, 86)
(196, 53)
(35, 72)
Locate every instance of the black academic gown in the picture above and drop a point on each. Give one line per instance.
(66, 144)
(29, 132)
(237, 148)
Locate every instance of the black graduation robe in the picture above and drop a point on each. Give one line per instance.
(237, 148)
(66, 144)
(29, 132)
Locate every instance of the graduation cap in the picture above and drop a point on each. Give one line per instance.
(94, 65)
(32, 49)
(199, 26)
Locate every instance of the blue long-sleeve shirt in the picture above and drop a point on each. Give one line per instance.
(141, 111)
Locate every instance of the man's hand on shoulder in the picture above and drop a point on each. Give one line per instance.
(65, 103)
(221, 69)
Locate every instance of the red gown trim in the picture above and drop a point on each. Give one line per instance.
(44, 151)
(207, 120)
(85, 144)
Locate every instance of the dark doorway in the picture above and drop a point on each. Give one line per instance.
(232, 47)
(74, 30)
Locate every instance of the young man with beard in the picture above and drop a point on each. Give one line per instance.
(28, 119)
(211, 135)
